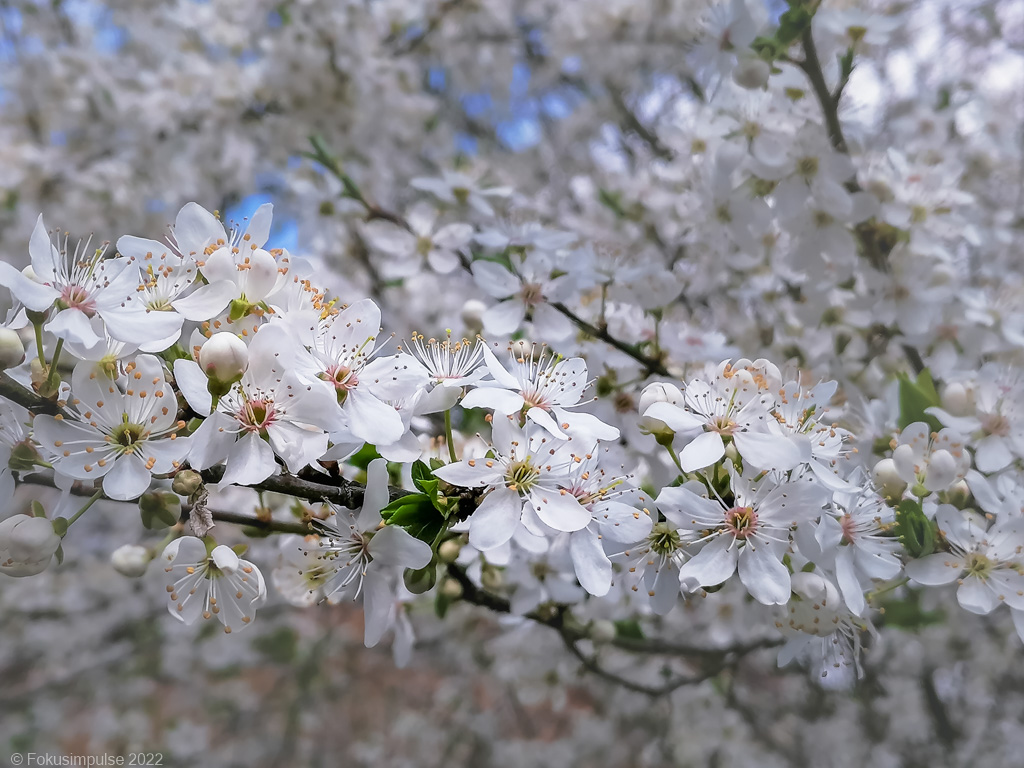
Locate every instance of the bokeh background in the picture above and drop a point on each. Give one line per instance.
(113, 114)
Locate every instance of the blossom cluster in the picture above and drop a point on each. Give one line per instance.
(606, 432)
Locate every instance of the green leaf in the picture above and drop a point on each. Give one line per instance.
(279, 646)
(363, 457)
(59, 554)
(60, 526)
(629, 628)
(915, 397)
(907, 613)
(916, 532)
(417, 514)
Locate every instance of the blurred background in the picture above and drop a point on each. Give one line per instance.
(113, 114)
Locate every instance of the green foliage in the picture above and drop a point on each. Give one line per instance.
(916, 532)
(915, 398)
(159, 509)
(792, 25)
(907, 613)
(629, 628)
(279, 646)
(416, 513)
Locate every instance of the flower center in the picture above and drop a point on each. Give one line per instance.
(976, 564)
(77, 297)
(127, 436)
(663, 539)
(521, 475)
(995, 424)
(532, 293)
(741, 522)
(849, 527)
(257, 415)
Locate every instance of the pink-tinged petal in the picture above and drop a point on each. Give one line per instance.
(371, 420)
(378, 607)
(592, 566)
(395, 546)
(35, 296)
(472, 473)
(250, 460)
(501, 401)
(766, 451)
(495, 279)
(933, 570)
(127, 479)
(504, 318)
(206, 302)
(703, 451)
(764, 575)
(495, 520)
(715, 563)
(976, 596)
(559, 509)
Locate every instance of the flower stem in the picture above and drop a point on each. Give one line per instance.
(53, 363)
(92, 500)
(448, 435)
(39, 342)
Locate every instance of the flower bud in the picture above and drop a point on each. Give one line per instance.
(27, 544)
(602, 631)
(224, 358)
(818, 602)
(420, 581)
(451, 589)
(130, 560)
(448, 552)
(473, 315)
(658, 392)
(957, 399)
(959, 494)
(159, 509)
(491, 578)
(186, 482)
(888, 479)
(751, 73)
(12, 351)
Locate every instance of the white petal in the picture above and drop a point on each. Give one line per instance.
(378, 607)
(715, 563)
(764, 575)
(703, 451)
(127, 479)
(504, 318)
(393, 545)
(495, 520)
(559, 509)
(933, 570)
(206, 302)
(501, 401)
(250, 460)
(976, 596)
(593, 568)
(766, 451)
(371, 420)
(470, 475)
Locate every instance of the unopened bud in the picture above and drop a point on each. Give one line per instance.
(473, 315)
(602, 631)
(958, 494)
(159, 509)
(27, 544)
(491, 578)
(888, 479)
(751, 73)
(658, 392)
(420, 581)
(223, 358)
(449, 550)
(186, 482)
(451, 589)
(957, 399)
(130, 560)
(12, 351)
